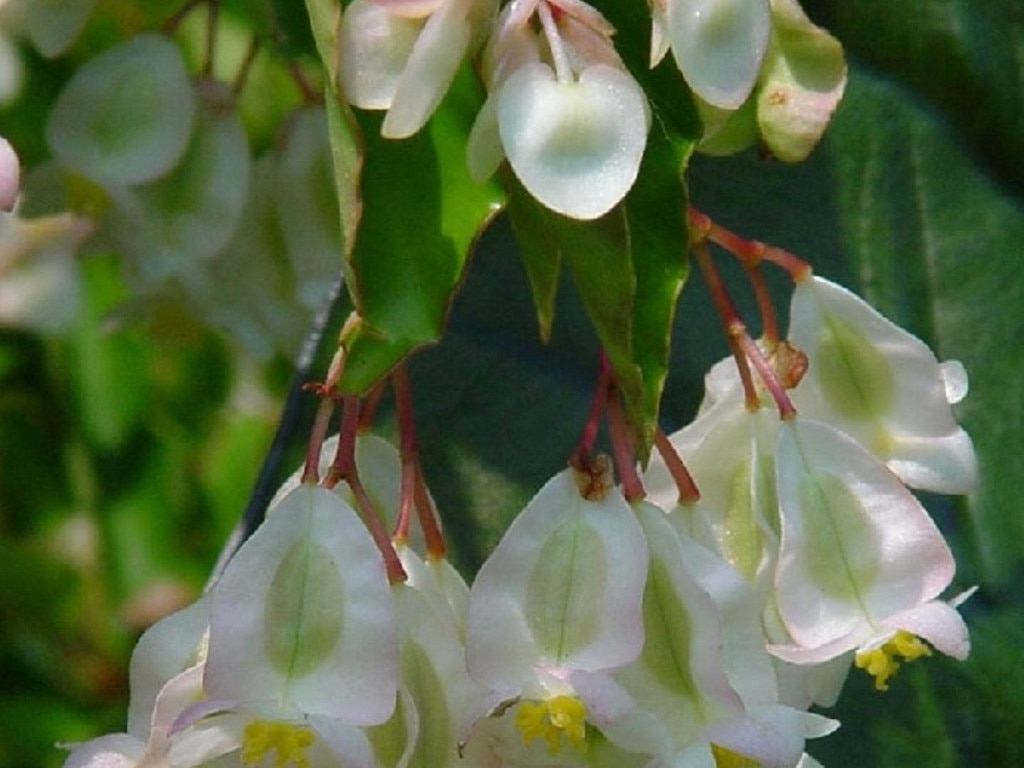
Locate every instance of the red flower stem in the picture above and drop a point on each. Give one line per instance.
(430, 524)
(750, 252)
(368, 513)
(622, 448)
(769, 319)
(370, 404)
(585, 448)
(317, 435)
(344, 468)
(768, 376)
(688, 491)
(408, 451)
(734, 326)
(414, 494)
(344, 463)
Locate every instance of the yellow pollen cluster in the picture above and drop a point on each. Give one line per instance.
(881, 662)
(289, 741)
(726, 758)
(556, 720)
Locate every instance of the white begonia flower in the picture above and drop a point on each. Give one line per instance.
(402, 55)
(567, 114)
(559, 597)
(704, 677)
(882, 386)
(718, 45)
(303, 646)
(861, 564)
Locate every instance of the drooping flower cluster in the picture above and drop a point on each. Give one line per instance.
(817, 511)
(601, 631)
(563, 108)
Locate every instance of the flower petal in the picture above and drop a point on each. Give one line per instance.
(857, 547)
(718, 46)
(562, 589)
(303, 615)
(803, 81)
(881, 385)
(430, 69)
(373, 48)
(575, 146)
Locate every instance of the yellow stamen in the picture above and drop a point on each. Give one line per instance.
(726, 758)
(881, 662)
(557, 720)
(289, 741)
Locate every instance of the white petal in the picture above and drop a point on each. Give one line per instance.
(410, 9)
(954, 378)
(303, 615)
(484, 152)
(857, 547)
(430, 69)
(718, 46)
(373, 48)
(112, 751)
(562, 589)
(575, 146)
(940, 624)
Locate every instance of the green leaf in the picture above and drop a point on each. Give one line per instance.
(345, 138)
(421, 216)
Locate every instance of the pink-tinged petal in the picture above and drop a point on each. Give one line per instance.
(10, 176)
(719, 45)
(802, 83)
(373, 49)
(587, 47)
(940, 624)
(575, 146)
(562, 590)
(430, 69)
(113, 751)
(946, 464)
(303, 615)
(587, 14)
(511, 46)
(410, 9)
(618, 715)
(857, 547)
